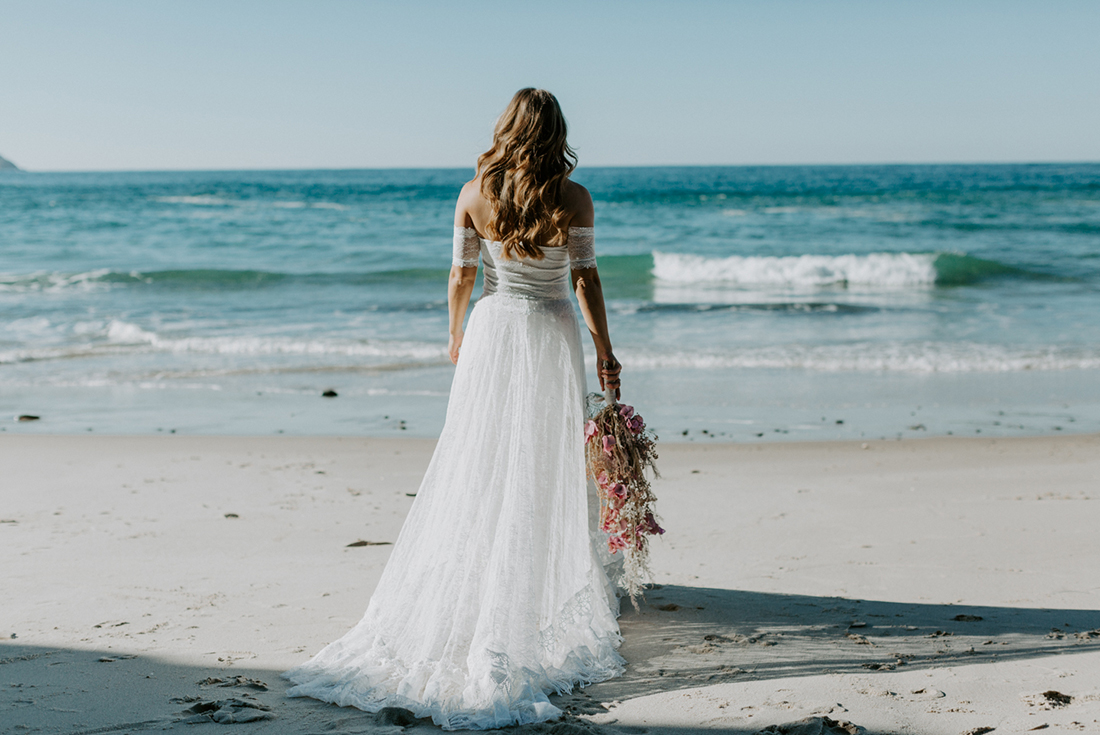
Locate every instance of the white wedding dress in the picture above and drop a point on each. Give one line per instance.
(495, 594)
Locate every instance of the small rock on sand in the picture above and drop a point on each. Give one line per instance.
(1057, 699)
(396, 716)
(329, 393)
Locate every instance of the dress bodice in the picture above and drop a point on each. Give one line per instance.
(526, 278)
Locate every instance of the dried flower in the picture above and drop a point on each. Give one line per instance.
(590, 430)
(610, 523)
(651, 526)
(618, 458)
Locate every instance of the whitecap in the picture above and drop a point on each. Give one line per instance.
(890, 270)
(202, 200)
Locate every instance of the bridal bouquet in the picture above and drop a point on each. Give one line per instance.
(619, 449)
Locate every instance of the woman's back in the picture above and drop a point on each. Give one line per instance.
(576, 201)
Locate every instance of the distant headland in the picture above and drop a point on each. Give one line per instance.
(6, 164)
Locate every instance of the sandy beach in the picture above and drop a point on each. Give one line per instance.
(939, 585)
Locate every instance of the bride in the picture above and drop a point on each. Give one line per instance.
(495, 594)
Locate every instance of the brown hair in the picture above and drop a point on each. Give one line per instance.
(525, 173)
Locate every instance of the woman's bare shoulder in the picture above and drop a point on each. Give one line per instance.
(471, 191)
(472, 208)
(579, 202)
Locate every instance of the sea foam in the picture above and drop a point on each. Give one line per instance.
(882, 270)
(899, 357)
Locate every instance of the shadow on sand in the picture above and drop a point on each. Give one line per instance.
(683, 637)
(687, 637)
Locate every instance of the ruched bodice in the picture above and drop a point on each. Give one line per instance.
(527, 278)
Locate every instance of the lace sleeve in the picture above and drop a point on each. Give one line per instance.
(467, 246)
(582, 248)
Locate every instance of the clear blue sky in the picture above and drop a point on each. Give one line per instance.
(145, 84)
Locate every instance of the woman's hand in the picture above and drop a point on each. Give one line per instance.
(453, 346)
(608, 368)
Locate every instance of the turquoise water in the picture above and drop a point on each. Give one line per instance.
(752, 303)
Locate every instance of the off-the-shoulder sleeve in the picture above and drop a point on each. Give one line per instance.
(582, 247)
(467, 246)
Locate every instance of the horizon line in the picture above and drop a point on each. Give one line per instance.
(277, 169)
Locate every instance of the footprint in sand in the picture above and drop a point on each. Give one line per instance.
(1050, 699)
(235, 681)
(813, 726)
(226, 712)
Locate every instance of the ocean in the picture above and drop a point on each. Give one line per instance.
(746, 304)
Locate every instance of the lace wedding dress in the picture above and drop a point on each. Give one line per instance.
(495, 594)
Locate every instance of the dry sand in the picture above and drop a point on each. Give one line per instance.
(920, 586)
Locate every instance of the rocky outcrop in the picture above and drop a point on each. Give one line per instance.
(6, 164)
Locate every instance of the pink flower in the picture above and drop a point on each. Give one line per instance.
(635, 424)
(615, 543)
(651, 526)
(590, 430)
(608, 443)
(610, 523)
(618, 490)
(602, 479)
(626, 411)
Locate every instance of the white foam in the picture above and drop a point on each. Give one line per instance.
(46, 281)
(28, 327)
(201, 200)
(125, 333)
(918, 357)
(882, 270)
(205, 200)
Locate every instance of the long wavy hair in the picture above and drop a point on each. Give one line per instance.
(525, 173)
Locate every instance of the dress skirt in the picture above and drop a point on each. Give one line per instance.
(495, 595)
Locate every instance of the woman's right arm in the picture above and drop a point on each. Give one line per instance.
(586, 283)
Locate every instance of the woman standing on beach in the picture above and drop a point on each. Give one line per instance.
(495, 595)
